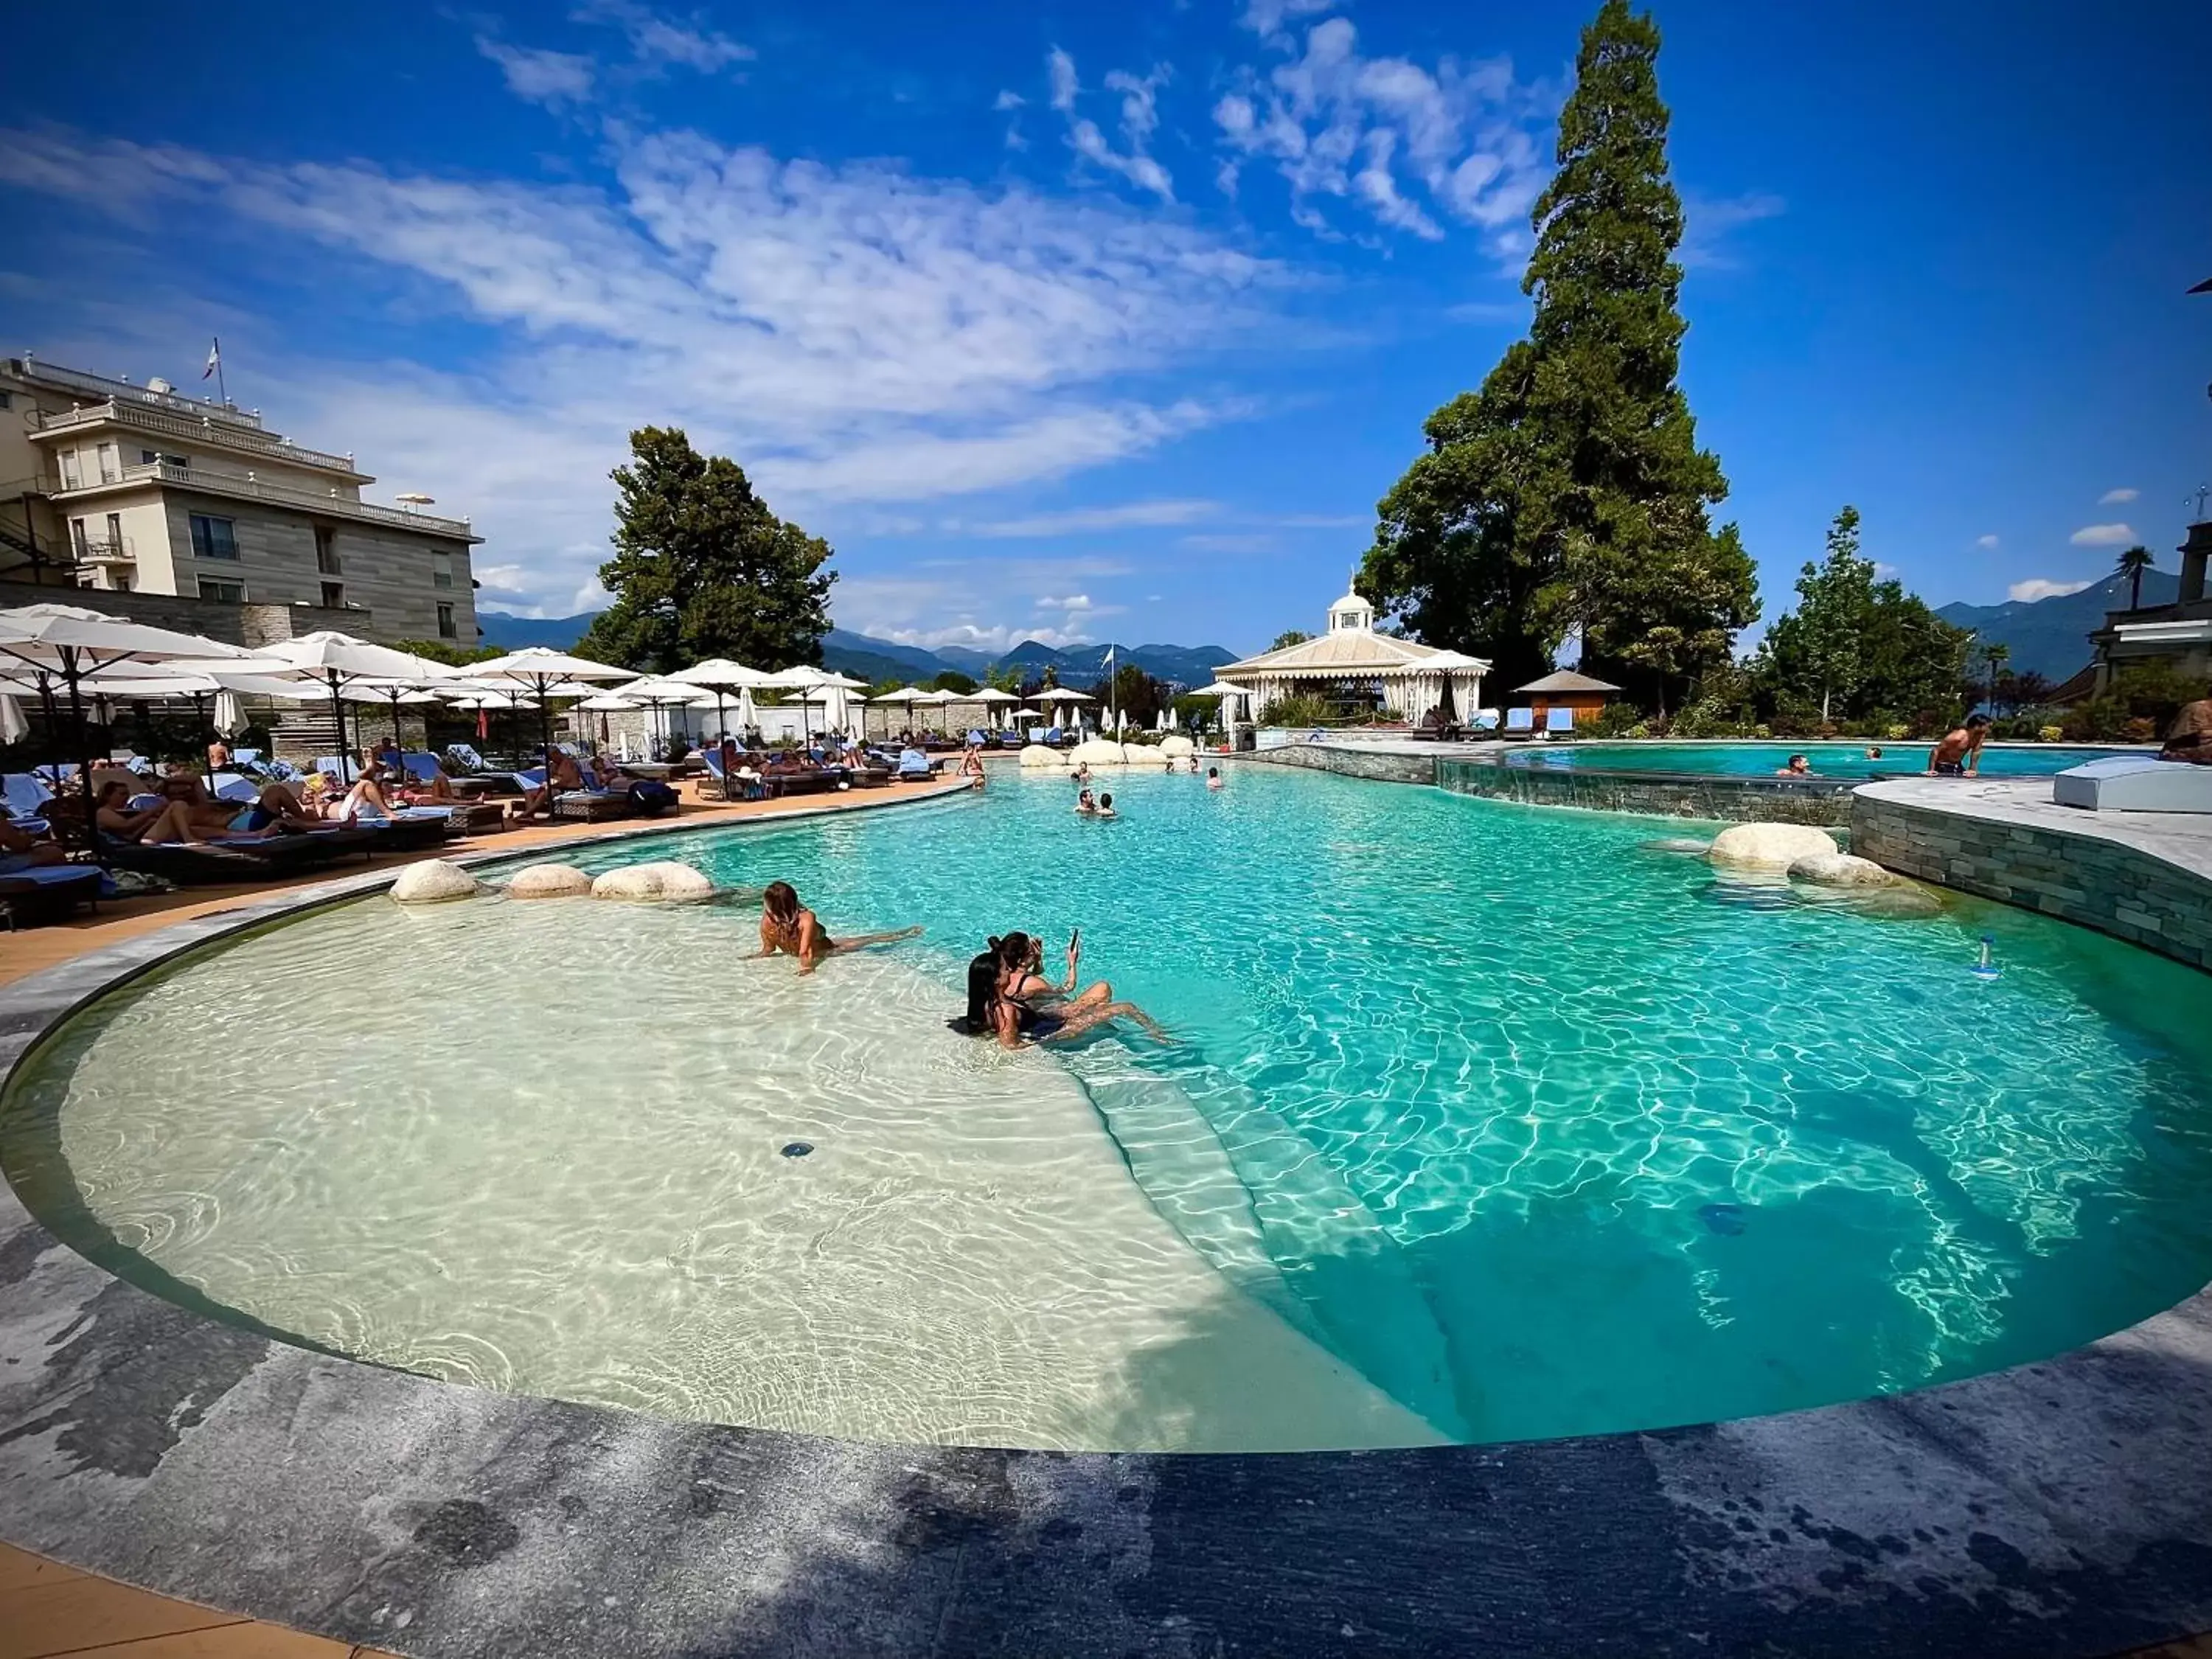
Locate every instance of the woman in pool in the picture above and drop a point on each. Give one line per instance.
(1105, 806)
(993, 1012)
(971, 767)
(789, 926)
(1022, 956)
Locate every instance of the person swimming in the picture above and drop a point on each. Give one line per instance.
(1214, 777)
(1106, 806)
(1959, 754)
(789, 926)
(1799, 767)
(1085, 806)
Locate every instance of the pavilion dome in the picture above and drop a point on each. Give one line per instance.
(1352, 612)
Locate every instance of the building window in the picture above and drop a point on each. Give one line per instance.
(72, 477)
(327, 551)
(334, 596)
(441, 570)
(119, 580)
(78, 539)
(149, 457)
(445, 630)
(214, 538)
(223, 592)
(7, 400)
(115, 533)
(111, 464)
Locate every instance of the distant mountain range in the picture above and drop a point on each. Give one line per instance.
(865, 656)
(2051, 636)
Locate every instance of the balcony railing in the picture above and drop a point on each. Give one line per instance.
(105, 387)
(248, 440)
(108, 550)
(245, 486)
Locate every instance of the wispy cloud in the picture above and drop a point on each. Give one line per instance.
(1341, 126)
(2115, 497)
(1140, 120)
(1080, 520)
(1708, 219)
(1266, 17)
(555, 79)
(2103, 535)
(2042, 588)
(1987, 542)
(656, 40)
(853, 334)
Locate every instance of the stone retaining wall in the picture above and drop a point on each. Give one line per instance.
(1825, 802)
(2100, 883)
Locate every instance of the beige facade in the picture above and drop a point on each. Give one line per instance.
(111, 486)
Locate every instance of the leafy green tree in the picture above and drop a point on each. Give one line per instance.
(2132, 564)
(1136, 693)
(1994, 656)
(1569, 492)
(1854, 646)
(1004, 676)
(1289, 637)
(953, 680)
(702, 569)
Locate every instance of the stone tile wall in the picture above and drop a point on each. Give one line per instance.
(2098, 884)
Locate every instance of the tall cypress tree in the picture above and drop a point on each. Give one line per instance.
(1569, 494)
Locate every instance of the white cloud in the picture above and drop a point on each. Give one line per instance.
(2103, 535)
(1707, 220)
(1235, 541)
(1338, 125)
(2042, 588)
(1007, 100)
(2114, 497)
(1986, 542)
(853, 334)
(1266, 17)
(1139, 119)
(555, 79)
(1072, 602)
(657, 41)
(1078, 520)
(1884, 572)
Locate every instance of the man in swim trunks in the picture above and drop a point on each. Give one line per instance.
(2189, 737)
(1959, 754)
(1799, 767)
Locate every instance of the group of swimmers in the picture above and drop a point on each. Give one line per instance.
(1009, 997)
(1959, 755)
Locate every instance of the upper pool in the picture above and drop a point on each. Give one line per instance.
(1827, 760)
(1485, 1122)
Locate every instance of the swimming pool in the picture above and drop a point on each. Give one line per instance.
(1828, 760)
(1485, 1123)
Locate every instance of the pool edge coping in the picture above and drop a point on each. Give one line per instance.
(1811, 1464)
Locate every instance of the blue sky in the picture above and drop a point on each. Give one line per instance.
(1082, 322)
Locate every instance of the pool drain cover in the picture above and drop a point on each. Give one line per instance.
(798, 1148)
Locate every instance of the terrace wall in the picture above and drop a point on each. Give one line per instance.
(2093, 880)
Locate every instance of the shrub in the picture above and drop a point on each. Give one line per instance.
(2050, 734)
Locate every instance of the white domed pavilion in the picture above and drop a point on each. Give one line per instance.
(1352, 662)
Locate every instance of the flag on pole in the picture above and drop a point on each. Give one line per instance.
(214, 359)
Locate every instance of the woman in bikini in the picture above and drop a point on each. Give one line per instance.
(995, 1009)
(789, 926)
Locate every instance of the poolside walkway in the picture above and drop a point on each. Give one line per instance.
(49, 1609)
(36, 948)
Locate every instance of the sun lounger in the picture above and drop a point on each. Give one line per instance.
(913, 765)
(1485, 720)
(47, 889)
(2135, 783)
(237, 860)
(1559, 722)
(230, 787)
(1520, 722)
(25, 794)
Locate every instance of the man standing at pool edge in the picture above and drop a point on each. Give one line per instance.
(1959, 754)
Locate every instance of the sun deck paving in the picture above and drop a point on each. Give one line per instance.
(1615, 1537)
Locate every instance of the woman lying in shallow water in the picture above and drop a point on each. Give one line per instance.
(789, 926)
(1009, 999)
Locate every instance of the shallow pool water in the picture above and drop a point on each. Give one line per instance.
(1484, 1121)
(1827, 760)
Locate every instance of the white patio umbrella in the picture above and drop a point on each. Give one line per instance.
(65, 642)
(394, 694)
(991, 697)
(337, 660)
(1060, 695)
(944, 701)
(538, 668)
(660, 692)
(722, 677)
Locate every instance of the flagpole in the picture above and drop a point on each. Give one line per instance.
(221, 387)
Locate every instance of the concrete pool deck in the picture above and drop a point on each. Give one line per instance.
(2061, 1509)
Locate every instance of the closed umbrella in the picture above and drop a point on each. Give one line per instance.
(14, 728)
(724, 678)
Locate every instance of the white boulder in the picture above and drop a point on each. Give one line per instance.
(1037, 755)
(1687, 846)
(1841, 870)
(1768, 846)
(1098, 751)
(1177, 746)
(667, 883)
(549, 881)
(432, 882)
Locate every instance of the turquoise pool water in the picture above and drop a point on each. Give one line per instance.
(1530, 1127)
(1828, 760)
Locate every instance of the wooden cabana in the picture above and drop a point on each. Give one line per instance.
(1565, 689)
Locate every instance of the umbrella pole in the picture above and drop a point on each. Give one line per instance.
(200, 724)
(545, 732)
(71, 673)
(337, 713)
